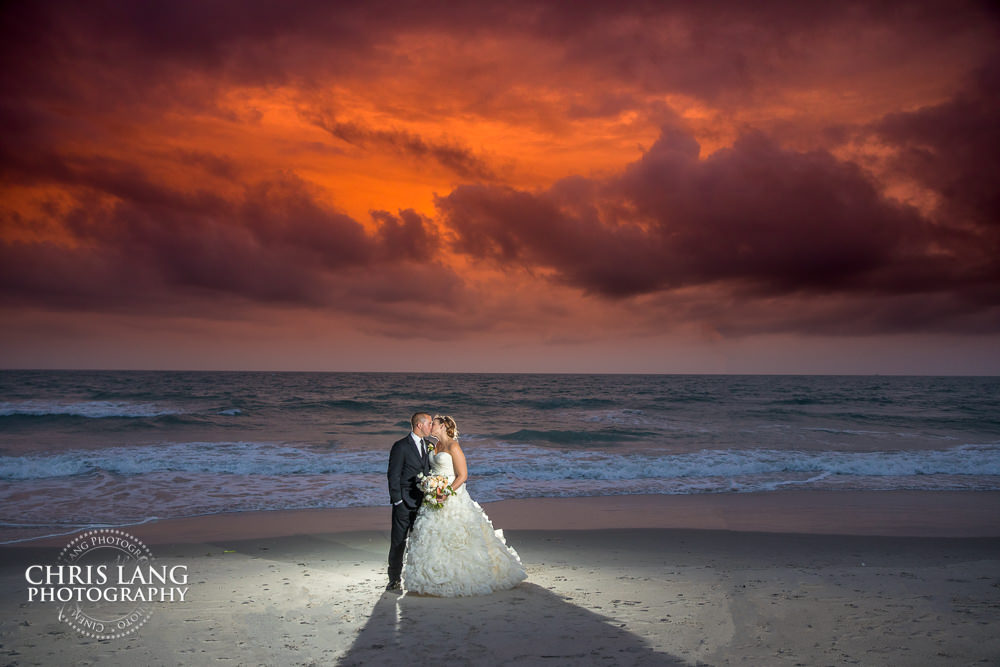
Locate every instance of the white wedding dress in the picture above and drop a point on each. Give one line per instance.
(454, 551)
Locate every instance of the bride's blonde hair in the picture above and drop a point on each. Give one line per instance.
(450, 427)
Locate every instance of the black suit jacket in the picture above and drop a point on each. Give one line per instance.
(404, 464)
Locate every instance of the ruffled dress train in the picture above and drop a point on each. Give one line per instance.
(454, 551)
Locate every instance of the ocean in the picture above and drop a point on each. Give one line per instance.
(83, 449)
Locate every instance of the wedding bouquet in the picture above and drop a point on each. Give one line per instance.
(436, 489)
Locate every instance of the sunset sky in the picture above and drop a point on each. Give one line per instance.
(720, 187)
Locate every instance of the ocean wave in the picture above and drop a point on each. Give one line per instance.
(846, 431)
(348, 404)
(552, 465)
(571, 437)
(63, 506)
(227, 458)
(561, 403)
(628, 416)
(41, 531)
(88, 409)
(525, 462)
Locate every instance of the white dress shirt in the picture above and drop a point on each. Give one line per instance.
(420, 448)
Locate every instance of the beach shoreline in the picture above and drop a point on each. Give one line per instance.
(671, 580)
(884, 513)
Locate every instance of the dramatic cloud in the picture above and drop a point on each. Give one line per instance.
(136, 245)
(953, 149)
(456, 158)
(535, 169)
(754, 218)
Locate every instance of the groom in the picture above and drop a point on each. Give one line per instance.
(407, 458)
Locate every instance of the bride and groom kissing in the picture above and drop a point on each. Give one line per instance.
(448, 549)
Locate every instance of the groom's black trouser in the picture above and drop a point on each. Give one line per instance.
(402, 520)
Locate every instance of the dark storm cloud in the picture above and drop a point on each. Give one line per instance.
(754, 213)
(710, 50)
(729, 49)
(834, 314)
(753, 219)
(150, 244)
(408, 235)
(953, 148)
(65, 61)
(458, 159)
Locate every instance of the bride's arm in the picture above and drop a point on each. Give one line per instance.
(461, 470)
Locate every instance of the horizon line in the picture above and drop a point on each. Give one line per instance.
(421, 372)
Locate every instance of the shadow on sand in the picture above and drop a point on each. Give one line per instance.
(526, 623)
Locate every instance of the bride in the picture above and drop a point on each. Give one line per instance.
(454, 551)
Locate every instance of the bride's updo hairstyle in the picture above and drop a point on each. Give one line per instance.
(450, 427)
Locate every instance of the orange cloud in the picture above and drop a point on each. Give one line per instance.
(514, 162)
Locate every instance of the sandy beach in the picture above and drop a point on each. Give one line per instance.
(789, 578)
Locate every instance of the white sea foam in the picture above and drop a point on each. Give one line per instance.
(127, 485)
(39, 531)
(226, 458)
(522, 461)
(92, 409)
(624, 416)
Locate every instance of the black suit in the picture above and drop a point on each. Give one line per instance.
(405, 463)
